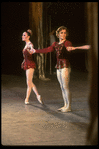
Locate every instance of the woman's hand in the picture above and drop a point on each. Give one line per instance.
(84, 47)
(80, 47)
(31, 51)
(70, 48)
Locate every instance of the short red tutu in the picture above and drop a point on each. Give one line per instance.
(28, 60)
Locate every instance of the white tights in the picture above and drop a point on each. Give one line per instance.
(63, 76)
(30, 84)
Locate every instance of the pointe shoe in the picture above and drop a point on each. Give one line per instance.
(69, 109)
(66, 109)
(60, 108)
(26, 102)
(40, 99)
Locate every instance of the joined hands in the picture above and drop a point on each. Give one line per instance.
(31, 51)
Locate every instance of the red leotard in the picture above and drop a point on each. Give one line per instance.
(28, 61)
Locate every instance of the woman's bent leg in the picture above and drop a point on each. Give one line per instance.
(35, 89)
(36, 93)
(29, 76)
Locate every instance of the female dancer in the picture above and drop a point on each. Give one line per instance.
(62, 49)
(28, 64)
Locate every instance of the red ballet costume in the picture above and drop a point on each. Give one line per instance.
(62, 54)
(28, 61)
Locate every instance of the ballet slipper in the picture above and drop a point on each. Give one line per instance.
(69, 109)
(61, 108)
(40, 99)
(26, 102)
(66, 109)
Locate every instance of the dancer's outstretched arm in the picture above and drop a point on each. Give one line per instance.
(83, 47)
(45, 50)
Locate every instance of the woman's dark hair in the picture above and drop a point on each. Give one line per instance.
(29, 32)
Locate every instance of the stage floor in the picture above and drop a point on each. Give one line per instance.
(37, 124)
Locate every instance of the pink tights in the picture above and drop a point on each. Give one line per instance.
(30, 84)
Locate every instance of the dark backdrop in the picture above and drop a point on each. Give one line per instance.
(15, 20)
